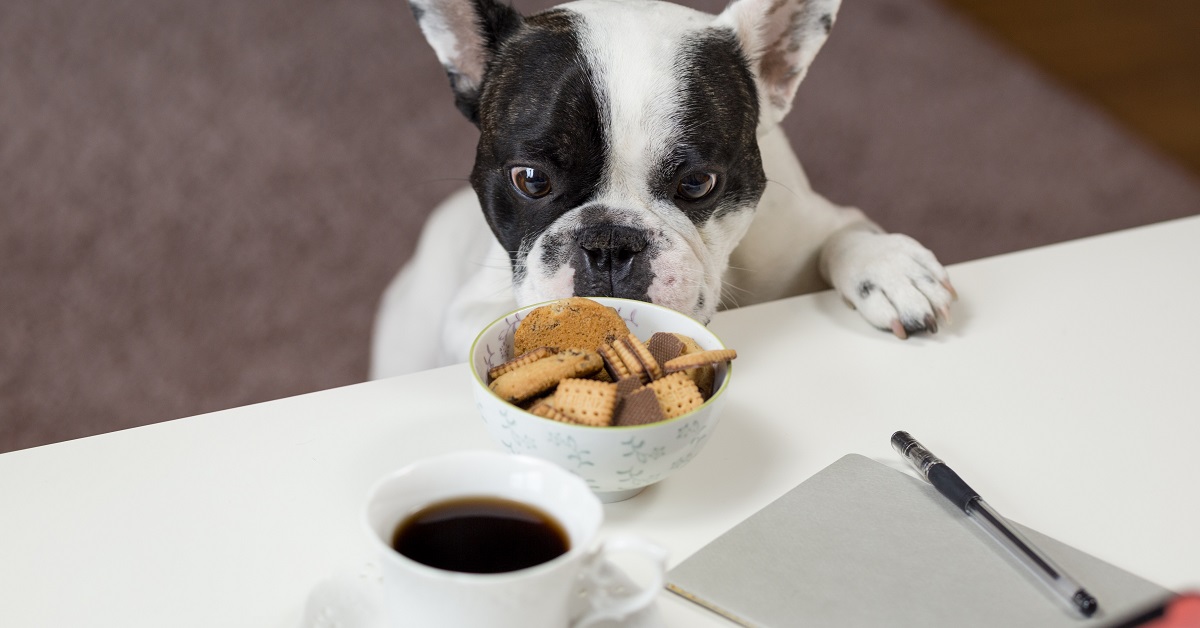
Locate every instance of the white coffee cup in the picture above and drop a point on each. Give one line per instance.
(574, 589)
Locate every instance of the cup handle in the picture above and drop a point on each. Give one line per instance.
(607, 587)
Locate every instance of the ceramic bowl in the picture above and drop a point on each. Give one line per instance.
(616, 462)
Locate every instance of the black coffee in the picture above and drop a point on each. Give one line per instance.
(480, 535)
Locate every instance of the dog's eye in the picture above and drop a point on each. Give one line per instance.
(696, 185)
(530, 181)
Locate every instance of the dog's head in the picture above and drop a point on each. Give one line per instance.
(618, 151)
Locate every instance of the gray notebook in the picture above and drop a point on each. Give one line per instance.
(860, 544)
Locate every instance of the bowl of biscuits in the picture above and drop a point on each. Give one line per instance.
(622, 393)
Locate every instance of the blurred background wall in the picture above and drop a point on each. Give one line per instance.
(1138, 61)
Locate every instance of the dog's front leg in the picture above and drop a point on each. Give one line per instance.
(894, 282)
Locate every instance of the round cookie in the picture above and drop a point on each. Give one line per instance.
(576, 322)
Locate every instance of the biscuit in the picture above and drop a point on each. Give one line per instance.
(703, 376)
(541, 375)
(519, 361)
(629, 358)
(546, 410)
(689, 344)
(576, 322)
(664, 346)
(613, 364)
(639, 408)
(677, 394)
(712, 357)
(653, 370)
(627, 386)
(533, 402)
(586, 401)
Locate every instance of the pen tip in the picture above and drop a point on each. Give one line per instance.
(1086, 603)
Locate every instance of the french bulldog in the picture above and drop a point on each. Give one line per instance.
(632, 148)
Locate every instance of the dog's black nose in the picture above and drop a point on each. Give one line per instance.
(612, 263)
(611, 248)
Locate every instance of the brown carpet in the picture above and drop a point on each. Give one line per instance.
(200, 202)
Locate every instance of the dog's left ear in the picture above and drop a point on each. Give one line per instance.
(465, 34)
(780, 38)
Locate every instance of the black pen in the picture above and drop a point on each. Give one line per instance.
(947, 482)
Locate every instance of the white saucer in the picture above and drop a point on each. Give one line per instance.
(354, 599)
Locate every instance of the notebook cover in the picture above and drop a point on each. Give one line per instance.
(860, 544)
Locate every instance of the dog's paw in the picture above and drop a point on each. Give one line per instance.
(894, 282)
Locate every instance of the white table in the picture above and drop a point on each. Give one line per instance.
(1067, 391)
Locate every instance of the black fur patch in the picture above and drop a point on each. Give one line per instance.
(538, 108)
(719, 119)
(865, 289)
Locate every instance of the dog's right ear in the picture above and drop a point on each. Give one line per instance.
(465, 34)
(780, 39)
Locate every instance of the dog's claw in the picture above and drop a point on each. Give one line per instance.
(903, 328)
(943, 313)
(949, 287)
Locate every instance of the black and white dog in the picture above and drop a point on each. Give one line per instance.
(632, 148)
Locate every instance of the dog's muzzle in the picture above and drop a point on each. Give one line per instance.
(613, 261)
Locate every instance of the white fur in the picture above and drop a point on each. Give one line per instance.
(796, 241)
(644, 117)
